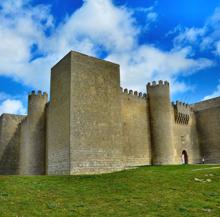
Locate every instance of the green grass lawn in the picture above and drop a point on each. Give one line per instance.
(145, 191)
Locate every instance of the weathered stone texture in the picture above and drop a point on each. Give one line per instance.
(161, 123)
(9, 143)
(95, 117)
(58, 119)
(185, 138)
(208, 125)
(32, 137)
(91, 126)
(136, 129)
(211, 103)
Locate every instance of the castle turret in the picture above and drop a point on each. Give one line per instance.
(32, 141)
(36, 103)
(161, 122)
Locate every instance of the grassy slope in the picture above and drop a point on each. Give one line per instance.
(146, 191)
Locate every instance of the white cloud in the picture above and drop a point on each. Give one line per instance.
(86, 30)
(148, 14)
(12, 107)
(98, 25)
(147, 63)
(22, 27)
(11, 104)
(204, 38)
(188, 35)
(152, 16)
(216, 93)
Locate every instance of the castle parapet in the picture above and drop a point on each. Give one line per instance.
(36, 101)
(158, 84)
(38, 93)
(134, 93)
(181, 112)
(130, 92)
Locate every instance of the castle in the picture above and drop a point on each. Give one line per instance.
(91, 125)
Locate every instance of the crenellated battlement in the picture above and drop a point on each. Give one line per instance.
(160, 83)
(36, 100)
(181, 112)
(90, 126)
(38, 93)
(134, 93)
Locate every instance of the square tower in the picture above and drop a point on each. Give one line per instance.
(84, 116)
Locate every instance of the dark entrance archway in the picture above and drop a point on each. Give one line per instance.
(184, 157)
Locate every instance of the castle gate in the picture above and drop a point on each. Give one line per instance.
(184, 157)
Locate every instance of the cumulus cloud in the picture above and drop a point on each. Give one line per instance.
(31, 43)
(22, 27)
(188, 36)
(146, 63)
(12, 106)
(96, 26)
(148, 14)
(87, 30)
(204, 38)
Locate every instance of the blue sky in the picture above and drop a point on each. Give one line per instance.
(172, 40)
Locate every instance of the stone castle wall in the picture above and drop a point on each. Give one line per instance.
(95, 116)
(185, 136)
(92, 126)
(32, 147)
(58, 119)
(9, 143)
(208, 127)
(161, 123)
(135, 128)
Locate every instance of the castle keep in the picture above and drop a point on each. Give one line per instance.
(91, 125)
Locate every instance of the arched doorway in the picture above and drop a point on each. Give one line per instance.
(184, 157)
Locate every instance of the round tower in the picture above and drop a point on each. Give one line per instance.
(161, 122)
(36, 103)
(32, 141)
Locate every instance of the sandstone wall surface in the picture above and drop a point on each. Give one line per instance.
(206, 104)
(209, 133)
(136, 129)
(207, 119)
(185, 137)
(95, 118)
(91, 126)
(9, 143)
(58, 119)
(32, 137)
(161, 123)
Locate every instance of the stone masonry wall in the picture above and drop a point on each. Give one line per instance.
(9, 143)
(95, 118)
(136, 128)
(91, 126)
(161, 123)
(207, 120)
(58, 119)
(32, 139)
(210, 103)
(185, 137)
